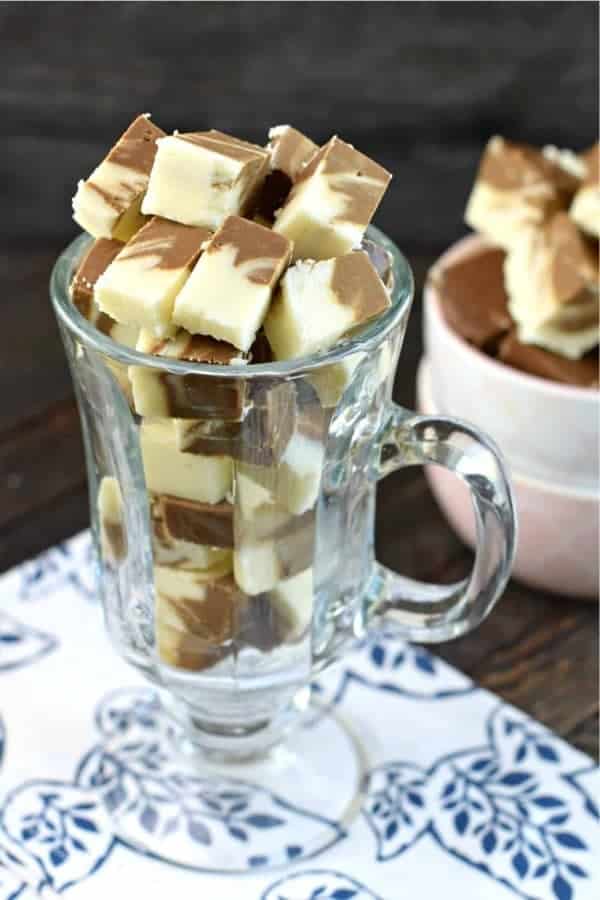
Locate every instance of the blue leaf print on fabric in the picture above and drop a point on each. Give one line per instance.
(187, 819)
(318, 884)
(21, 645)
(63, 828)
(486, 810)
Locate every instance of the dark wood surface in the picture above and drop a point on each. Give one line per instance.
(420, 86)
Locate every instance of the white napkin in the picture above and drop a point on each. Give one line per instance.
(463, 796)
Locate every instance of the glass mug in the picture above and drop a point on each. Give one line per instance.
(233, 601)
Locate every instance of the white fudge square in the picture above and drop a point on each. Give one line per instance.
(140, 285)
(553, 285)
(293, 599)
(107, 204)
(200, 178)
(188, 475)
(332, 202)
(257, 567)
(292, 485)
(156, 395)
(229, 291)
(517, 187)
(289, 150)
(319, 302)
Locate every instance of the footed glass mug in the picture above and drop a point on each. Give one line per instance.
(233, 515)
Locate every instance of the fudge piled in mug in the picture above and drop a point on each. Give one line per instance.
(210, 249)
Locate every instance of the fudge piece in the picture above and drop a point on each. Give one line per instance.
(202, 177)
(289, 152)
(229, 291)
(157, 393)
(293, 483)
(528, 358)
(516, 187)
(260, 565)
(95, 260)
(473, 297)
(196, 616)
(293, 600)
(554, 288)
(257, 567)
(319, 302)
(185, 555)
(206, 479)
(140, 285)
(260, 437)
(197, 523)
(585, 209)
(332, 202)
(108, 203)
(113, 537)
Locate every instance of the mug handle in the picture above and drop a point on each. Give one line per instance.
(432, 613)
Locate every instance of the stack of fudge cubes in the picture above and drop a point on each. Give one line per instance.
(532, 297)
(208, 249)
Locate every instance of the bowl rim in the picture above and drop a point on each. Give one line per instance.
(427, 406)
(431, 304)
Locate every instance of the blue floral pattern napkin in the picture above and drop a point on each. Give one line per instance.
(462, 796)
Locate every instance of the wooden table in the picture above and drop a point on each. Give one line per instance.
(536, 650)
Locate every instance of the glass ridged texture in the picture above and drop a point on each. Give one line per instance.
(233, 610)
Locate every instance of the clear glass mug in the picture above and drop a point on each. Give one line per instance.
(232, 602)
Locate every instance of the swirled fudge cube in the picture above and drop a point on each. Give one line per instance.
(210, 524)
(516, 187)
(585, 209)
(230, 289)
(332, 202)
(107, 204)
(554, 288)
(293, 601)
(319, 302)
(94, 262)
(206, 479)
(200, 178)
(289, 152)
(158, 393)
(140, 284)
(197, 616)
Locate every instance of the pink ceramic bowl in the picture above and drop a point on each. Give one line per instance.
(549, 434)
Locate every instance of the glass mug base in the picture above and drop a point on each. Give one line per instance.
(206, 810)
(233, 513)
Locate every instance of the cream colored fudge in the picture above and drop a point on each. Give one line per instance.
(230, 289)
(206, 479)
(293, 600)
(293, 483)
(202, 177)
(517, 187)
(209, 524)
(332, 202)
(585, 209)
(140, 285)
(260, 564)
(107, 204)
(289, 152)
(157, 393)
(553, 287)
(184, 554)
(319, 302)
(113, 536)
(196, 616)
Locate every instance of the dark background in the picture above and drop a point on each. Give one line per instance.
(418, 86)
